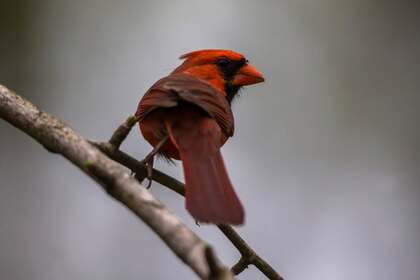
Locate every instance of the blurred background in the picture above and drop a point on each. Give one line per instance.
(326, 156)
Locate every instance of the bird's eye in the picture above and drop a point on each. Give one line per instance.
(223, 62)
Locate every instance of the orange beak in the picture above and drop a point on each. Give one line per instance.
(247, 75)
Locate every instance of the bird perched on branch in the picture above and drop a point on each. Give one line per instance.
(186, 115)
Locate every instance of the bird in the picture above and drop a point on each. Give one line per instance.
(187, 116)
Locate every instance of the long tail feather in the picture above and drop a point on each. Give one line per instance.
(210, 196)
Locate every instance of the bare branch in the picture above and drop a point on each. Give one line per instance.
(122, 131)
(248, 255)
(240, 266)
(59, 138)
(215, 271)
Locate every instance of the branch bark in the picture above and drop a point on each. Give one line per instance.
(248, 255)
(59, 138)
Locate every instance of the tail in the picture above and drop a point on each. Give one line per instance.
(210, 196)
(209, 193)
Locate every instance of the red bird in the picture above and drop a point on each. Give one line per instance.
(187, 116)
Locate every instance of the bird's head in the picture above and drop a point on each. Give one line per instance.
(226, 70)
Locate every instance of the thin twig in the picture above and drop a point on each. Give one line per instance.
(240, 266)
(122, 131)
(248, 255)
(59, 138)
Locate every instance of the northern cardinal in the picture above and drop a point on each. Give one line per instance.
(187, 116)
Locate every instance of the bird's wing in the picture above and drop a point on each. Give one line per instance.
(169, 91)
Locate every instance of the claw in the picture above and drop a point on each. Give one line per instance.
(149, 159)
(149, 183)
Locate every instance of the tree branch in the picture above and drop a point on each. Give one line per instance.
(248, 255)
(59, 138)
(122, 131)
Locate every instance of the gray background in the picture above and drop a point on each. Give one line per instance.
(326, 154)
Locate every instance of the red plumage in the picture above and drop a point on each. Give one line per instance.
(191, 107)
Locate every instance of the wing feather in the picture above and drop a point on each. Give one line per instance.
(169, 91)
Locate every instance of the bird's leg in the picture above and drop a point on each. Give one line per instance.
(149, 159)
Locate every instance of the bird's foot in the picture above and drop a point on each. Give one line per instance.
(149, 159)
(148, 162)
